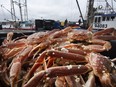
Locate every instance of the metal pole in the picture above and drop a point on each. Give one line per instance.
(20, 10)
(13, 10)
(90, 13)
(112, 3)
(26, 11)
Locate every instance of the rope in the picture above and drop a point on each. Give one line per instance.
(3, 13)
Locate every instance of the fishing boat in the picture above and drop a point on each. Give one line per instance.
(15, 22)
(105, 15)
(100, 14)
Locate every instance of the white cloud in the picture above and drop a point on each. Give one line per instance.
(55, 9)
(50, 9)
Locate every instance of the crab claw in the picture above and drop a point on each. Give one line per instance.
(102, 67)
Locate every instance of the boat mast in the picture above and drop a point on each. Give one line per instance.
(20, 8)
(25, 11)
(13, 16)
(90, 12)
(22, 4)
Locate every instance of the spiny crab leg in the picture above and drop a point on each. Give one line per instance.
(69, 56)
(13, 52)
(105, 37)
(56, 71)
(76, 51)
(65, 49)
(37, 63)
(61, 33)
(106, 45)
(12, 45)
(16, 66)
(54, 54)
(107, 34)
(104, 32)
(91, 80)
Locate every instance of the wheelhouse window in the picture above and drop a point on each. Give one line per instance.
(96, 19)
(99, 19)
(103, 18)
(107, 18)
(112, 18)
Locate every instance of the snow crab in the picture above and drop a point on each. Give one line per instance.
(58, 58)
(69, 60)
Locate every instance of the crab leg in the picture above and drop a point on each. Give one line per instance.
(106, 45)
(13, 52)
(105, 37)
(91, 81)
(73, 81)
(55, 54)
(50, 61)
(16, 66)
(76, 51)
(69, 56)
(60, 82)
(38, 62)
(61, 32)
(93, 48)
(104, 32)
(56, 71)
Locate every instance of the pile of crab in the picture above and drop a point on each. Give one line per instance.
(58, 58)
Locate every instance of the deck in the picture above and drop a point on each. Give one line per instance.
(17, 33)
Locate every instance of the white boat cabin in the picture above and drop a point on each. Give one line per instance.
(103, 21)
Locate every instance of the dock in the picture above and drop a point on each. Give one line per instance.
(17, 33)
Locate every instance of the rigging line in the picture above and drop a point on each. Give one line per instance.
(7, 10)
(69, 10)
(108, 5)
(72, 10)
(80, 11)
(3, 13)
